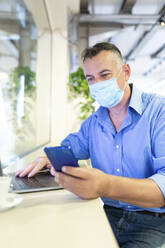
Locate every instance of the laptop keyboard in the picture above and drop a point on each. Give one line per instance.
(41, 180)
(25, 183)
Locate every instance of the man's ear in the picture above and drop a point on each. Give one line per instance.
(127, 71)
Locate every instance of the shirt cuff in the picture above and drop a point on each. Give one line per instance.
(159, 179)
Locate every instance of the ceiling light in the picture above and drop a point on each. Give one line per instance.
(162, 20)
(162, 23)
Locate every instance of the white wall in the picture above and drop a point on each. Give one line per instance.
(64, 116)
(57, 12)
(43, 100)
(55, 25)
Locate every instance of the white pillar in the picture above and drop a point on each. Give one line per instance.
(57, 11)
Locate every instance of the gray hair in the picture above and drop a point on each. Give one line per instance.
(90, 52)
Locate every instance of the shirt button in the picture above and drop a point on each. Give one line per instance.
(118, 170)
(117, 146)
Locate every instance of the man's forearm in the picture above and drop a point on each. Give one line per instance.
(139, 192)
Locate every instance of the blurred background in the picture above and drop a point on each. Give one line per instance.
(40, 46)
(137, 27)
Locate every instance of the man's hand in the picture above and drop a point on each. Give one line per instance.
(88, 183)
(35, 167)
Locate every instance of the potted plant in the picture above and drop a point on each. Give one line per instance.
(22, 107)
(78, 86)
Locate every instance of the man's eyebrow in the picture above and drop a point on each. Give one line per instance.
(105, 70)
(88, 75)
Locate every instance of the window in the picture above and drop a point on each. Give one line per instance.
(24, 82)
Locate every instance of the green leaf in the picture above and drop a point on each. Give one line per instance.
(77, 87)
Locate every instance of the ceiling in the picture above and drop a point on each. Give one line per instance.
(137, 28)
(133, 25)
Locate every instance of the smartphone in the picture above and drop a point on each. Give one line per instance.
(60, 156)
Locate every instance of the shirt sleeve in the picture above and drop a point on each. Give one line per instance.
(79, 142)
(158, 152)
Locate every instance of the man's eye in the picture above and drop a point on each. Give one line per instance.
(89, 79)
(105, 75)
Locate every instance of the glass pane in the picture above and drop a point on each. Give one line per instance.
(18, 85)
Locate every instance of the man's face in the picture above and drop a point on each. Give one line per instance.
(104, 66)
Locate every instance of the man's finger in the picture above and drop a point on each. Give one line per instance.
(43, 161)
(82, 173)
(67, 181)
(52, 171)
(18, 172)
(37, 168)
(27, 169)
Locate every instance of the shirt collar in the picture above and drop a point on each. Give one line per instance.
(102, 114)
(136, 100)
(135, 103)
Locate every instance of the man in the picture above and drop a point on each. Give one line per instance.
(125, 140)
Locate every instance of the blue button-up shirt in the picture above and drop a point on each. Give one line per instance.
(137, 150)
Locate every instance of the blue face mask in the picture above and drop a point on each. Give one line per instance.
(107, 93)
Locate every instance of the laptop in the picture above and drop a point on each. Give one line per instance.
(42, 181)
